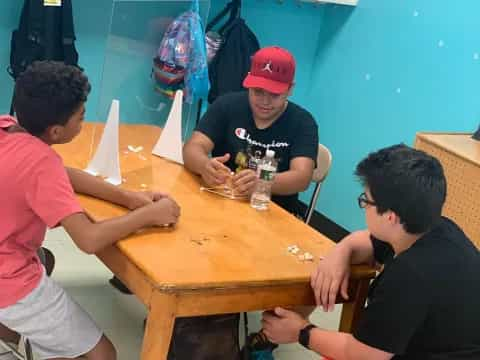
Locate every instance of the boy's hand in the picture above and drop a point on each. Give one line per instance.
(331, 276)
(282, 326)
(215, 172)
(164, 212)
(137, 199)
(244, 182)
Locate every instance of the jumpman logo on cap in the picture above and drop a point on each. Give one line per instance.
(268, 67)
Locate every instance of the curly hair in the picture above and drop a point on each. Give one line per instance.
(48, 93)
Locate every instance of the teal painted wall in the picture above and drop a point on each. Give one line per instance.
(372, 75)
(384, 71)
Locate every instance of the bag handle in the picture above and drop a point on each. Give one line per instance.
(195, 6)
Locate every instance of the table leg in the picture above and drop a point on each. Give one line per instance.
(352, 310)
(158, 333)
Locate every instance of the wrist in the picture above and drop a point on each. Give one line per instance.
(145, 215)
(344, 248)
(124, 198)
(202, 165)
(304, 335)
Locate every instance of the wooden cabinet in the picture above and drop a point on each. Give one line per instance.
(460, 157)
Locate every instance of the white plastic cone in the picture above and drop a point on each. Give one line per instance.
(106, 161)
(169, 145)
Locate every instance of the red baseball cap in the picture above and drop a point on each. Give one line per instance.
(273, 69)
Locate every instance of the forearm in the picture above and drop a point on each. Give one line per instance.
(358, 247)
(333, 345)
(110, 231)
(84, 183)
(290, 182)
(92, 237)
(342, 346)
(194, 157)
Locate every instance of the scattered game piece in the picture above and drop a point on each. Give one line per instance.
(135, 149)
(293, 249)
(308, 256)
(305, 257)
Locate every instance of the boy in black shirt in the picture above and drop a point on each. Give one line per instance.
(241, 126)
(424, 303)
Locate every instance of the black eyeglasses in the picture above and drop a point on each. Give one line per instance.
(363, 201)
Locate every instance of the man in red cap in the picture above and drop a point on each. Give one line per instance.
(239, 127)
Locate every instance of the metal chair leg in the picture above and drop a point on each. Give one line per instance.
(313, 203)
(28, 350)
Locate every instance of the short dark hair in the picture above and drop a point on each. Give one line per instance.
(408, 182)
(48, 93)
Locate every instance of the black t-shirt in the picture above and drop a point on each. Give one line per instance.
(229, 123)
(425, 304)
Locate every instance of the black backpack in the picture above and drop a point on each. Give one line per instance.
(44, 33)
(232, 62)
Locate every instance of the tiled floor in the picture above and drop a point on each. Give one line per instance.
(121, 316)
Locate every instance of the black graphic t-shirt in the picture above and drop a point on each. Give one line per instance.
(230, 125)
(424, 304)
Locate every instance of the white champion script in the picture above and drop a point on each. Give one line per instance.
(242, 134)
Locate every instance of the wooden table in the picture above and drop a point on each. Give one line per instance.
(460, 157)
(222, 257)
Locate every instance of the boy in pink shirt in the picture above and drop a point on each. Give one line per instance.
(37, 193)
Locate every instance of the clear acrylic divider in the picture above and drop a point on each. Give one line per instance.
(136, 31)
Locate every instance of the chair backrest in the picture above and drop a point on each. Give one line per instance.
(324, 161)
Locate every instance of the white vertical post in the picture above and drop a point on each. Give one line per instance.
(169, 145)
(106, 161)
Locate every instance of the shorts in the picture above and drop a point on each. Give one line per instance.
(55, 325)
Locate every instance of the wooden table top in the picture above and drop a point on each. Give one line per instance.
(460, 144)
(218, 242)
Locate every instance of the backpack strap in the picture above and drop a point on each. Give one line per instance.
(195, 7)
(35, 25)
(70, 53)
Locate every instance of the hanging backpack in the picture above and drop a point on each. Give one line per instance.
(181, 61)
(232, 61)
(45, 32)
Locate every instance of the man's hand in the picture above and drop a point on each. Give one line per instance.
(214, 172)
(163, 212)
(331, 275)
(137, 199)
(283, 326)
(244, 182)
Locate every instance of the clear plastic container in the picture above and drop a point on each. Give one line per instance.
(266, 171)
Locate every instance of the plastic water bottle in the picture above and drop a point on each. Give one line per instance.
(254, 160)
(267, 168)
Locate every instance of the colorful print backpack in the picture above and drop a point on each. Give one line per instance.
(181, 62)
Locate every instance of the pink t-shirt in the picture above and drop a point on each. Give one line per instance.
(35, 193)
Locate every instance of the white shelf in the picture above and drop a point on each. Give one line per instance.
(341, 2)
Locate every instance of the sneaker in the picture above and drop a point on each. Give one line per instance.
(258, 347)
(262, 355)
